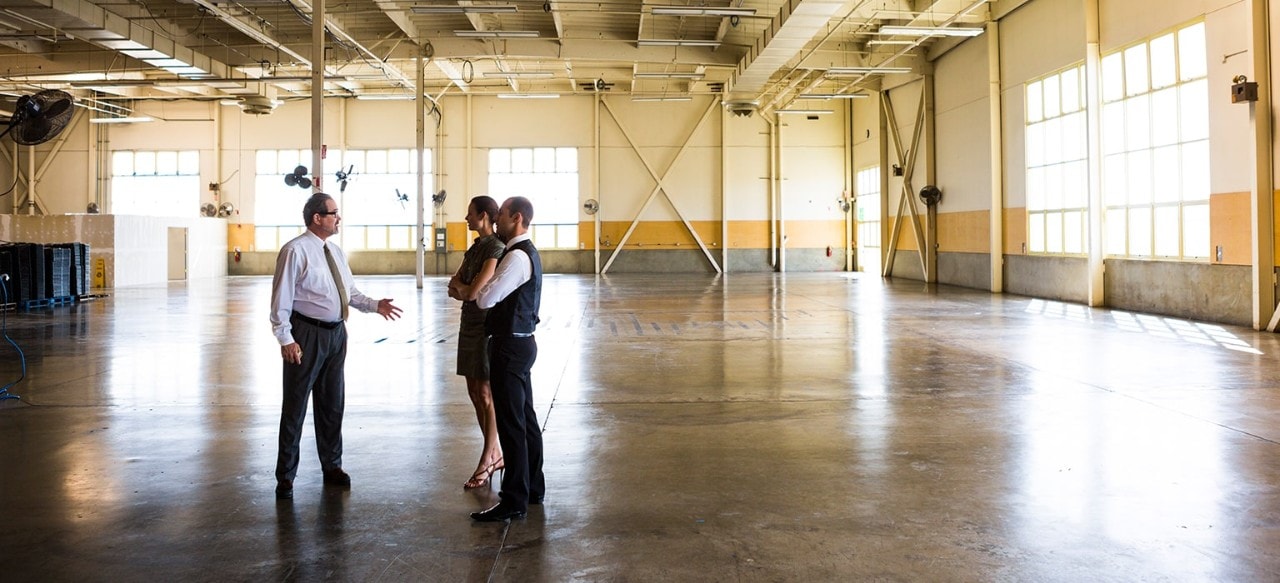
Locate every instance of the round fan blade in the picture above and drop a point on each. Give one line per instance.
(300, 170)
(35, 130)
(291, 179)
(304, 182)
(57, 107)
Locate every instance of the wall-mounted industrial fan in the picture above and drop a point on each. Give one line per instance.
(438, 198)
(40, 117)
(209, 209)
(226, 209)
(298, 178)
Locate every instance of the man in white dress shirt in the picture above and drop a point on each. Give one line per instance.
(512, 297)
(310, 294)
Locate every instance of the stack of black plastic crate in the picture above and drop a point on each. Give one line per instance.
(26, 269)
(79, 271)
(57, 272)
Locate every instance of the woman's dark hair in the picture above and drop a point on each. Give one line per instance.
(486, 205)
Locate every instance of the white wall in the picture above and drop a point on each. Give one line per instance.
(963, 115)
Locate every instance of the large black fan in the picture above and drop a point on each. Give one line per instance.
(40, 117)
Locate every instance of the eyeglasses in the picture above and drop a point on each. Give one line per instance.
(327, 213)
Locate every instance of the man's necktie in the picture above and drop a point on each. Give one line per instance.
(337, 279)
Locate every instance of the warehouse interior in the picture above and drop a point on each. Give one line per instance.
(857, 289)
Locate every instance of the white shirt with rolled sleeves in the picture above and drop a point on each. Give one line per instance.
(311, 292)
(514, 270)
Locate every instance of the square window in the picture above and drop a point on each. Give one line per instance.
(1194, 119)
(1035, 232)
(376, 160)
(1035, 102)
(1139, 174)
(1071, 94)
(1135, 70)
(189, 163)
(522, 160)
(1163, 62)
(499, 160)
(1112, 77)
(1052, 97)
(266, 162)
(1166, 175)
(1117, 227)
(167, 163)
(1073, 232)
(1140, 231)
(122, 163)
(1195, 231)
(1114, 179)
(1191, 53)
(1167, 228)
(144, 163)
(1137, 122)
(1053, 232)
(1195, 171)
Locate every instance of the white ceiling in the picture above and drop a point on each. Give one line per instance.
(122, 50)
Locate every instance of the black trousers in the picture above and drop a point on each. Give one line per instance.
(510, 360)
(321, 375)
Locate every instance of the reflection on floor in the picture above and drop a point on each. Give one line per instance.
(810, 427)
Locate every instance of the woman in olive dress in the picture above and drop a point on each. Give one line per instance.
(477, 268)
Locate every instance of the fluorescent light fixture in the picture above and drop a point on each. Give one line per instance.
(693, 76)
(496, 33)
(672, 98)
(832, 96)
(877, 41)
(528, 96)
(806, 111)
(130, 119)
(521, 74)
(469, 9)
(867, 70)
(384, 97)
(930, 30)
(701, 11)
(676, 42)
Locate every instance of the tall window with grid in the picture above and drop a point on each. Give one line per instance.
(159, 184)
(378, 207)
(548, 177)
(1057, 164)
(867, 216)
(1155, 146)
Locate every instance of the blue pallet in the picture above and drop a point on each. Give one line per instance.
(28, 305)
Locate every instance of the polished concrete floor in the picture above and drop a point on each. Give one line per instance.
(754, 427)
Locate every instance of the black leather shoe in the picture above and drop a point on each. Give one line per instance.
(284, 490)
(499, 513)
(337, 477)
(536, 501)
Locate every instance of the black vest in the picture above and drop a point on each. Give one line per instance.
(518, 312)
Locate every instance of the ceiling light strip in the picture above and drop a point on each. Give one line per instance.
(496, 33)
(930, 31)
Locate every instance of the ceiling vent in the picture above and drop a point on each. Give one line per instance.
(257, 104)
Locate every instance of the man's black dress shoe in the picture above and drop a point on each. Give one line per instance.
(284, 490)
(536, 501)
(499, 513)
(337, 477)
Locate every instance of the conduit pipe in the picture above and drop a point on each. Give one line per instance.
(724, 187)
(596, 147)
(317, 95)
(782, 202)
(420, 119)
(1093, 108)
(1263, 190)
(773, 206)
